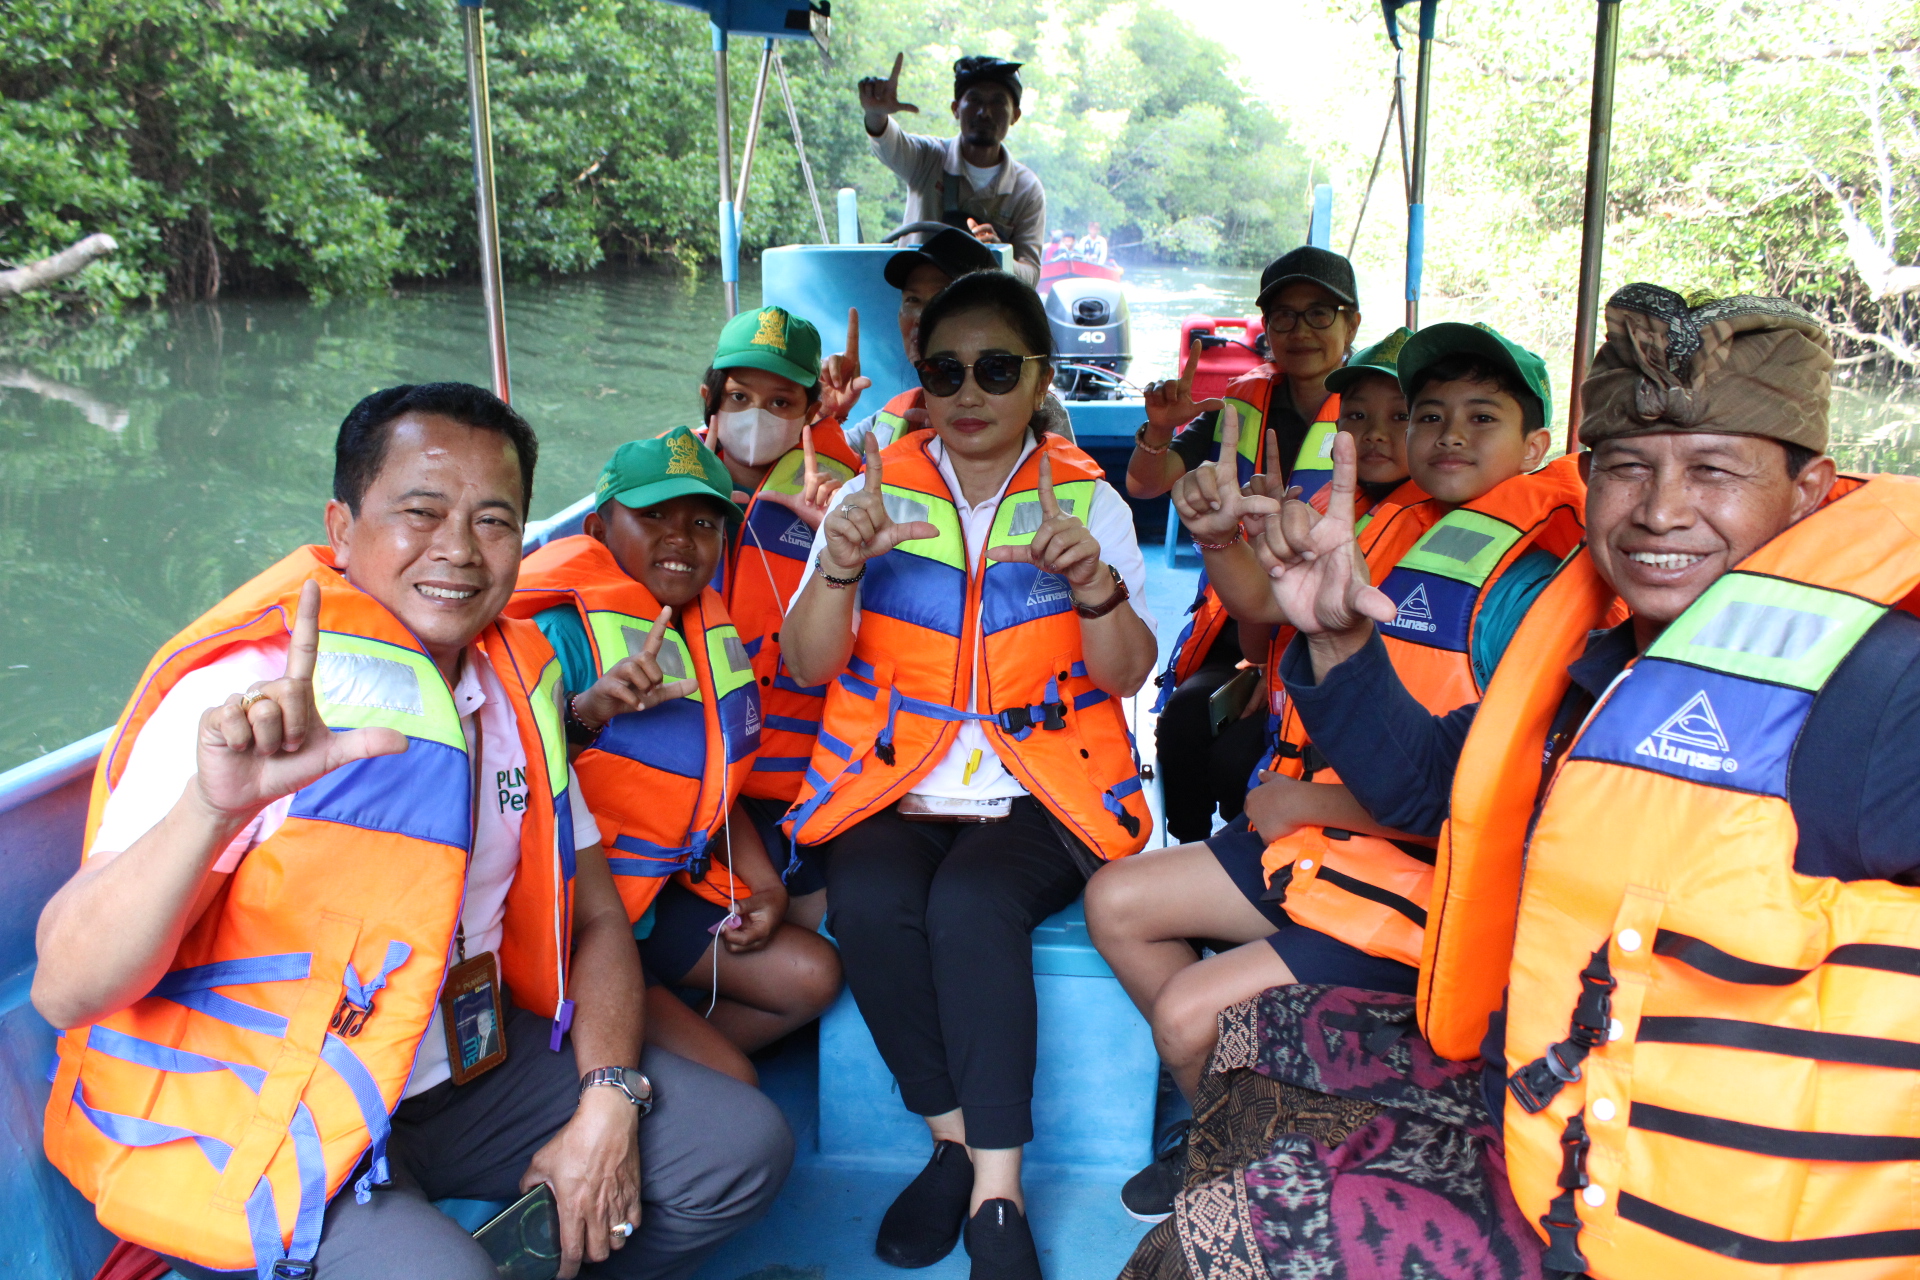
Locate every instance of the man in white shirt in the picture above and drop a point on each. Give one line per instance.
(969, 181)
(431, 490)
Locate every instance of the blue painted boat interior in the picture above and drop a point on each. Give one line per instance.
(1097, 1087)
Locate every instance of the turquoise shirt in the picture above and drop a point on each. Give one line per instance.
(1507, 602)
(564, 630)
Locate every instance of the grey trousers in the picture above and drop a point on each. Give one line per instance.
(713, 1155)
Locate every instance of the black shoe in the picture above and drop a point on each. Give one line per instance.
(1148, 1195)
(923, 1223)
(1000, 1243)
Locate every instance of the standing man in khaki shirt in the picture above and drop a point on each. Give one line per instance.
(969, 181)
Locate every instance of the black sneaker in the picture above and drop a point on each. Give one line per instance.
(1000, 1243)
(923, 1223)
(1148, 1195)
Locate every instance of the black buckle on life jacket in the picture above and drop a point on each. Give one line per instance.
(1129, 822)
(1017, 720)
(1312, 762)
(295, 1269)
(1573, 1153)
(349, 1018)
(1286, 750)
(884, 750)
(1536, 1084)
(697, 866)
(1562, 1222)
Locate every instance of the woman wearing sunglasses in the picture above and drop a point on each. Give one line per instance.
(971, 602)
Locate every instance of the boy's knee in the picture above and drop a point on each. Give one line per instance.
(1185, 1018)
(1109, 899)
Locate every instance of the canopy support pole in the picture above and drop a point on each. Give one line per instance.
(485, 207)
(1393, 109)
(1417, 189)
(729, 223)
(800, 146)
(753, 132)
(1593, 234)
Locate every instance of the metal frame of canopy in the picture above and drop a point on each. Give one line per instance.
(770, 20)
(1606, 48)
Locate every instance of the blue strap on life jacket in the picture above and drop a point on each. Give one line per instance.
(1110, 800)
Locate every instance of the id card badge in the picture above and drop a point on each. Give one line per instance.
(472, 1012)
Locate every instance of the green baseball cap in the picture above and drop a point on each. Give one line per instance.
(1438, 341)
(1382, 357)
(773, 339)
(642, 472)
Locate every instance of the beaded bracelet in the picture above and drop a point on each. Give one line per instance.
(1219, 546)
(839, 584)
(1151, 450)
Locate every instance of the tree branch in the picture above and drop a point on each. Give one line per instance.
(69, 261)
(1907, 355)
(1794, 53)
(1884, 277)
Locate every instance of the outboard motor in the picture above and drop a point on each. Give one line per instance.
(1094, 336)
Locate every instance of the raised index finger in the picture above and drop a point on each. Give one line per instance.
(810, 465)
(871, 450)
(1230, 439)
(305, 647)
(898, 58)
(1049, 507)
(657, 636)
(1346, 468)
(1186, 374)
(853, 335)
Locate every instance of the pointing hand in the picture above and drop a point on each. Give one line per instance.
(1319, 576)
(1062, 545)
(635, 683)
(860, 527)
(880, 95)
(1209, 498)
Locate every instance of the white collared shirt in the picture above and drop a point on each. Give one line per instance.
(1110, 521)
(163, 758)
(1016, 201)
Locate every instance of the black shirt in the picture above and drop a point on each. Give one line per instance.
(1853, 780)
(1194, 442)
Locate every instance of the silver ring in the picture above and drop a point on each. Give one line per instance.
(622, 1229)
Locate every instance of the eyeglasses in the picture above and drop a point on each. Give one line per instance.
(995, 374)
(1318, 316)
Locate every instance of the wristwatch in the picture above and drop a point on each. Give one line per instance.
(638, 1088)
(1108, 605)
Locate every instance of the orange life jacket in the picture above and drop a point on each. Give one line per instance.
(891, 424)
(1250, 394)
(769, 560)
(1741, 1037)
(661, 781)
(1439, 566)
(214, 1118)
(934, 616)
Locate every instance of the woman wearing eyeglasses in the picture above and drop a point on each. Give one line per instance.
(971, 600)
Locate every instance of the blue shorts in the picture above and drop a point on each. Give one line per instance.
(681, 920)
(1311, 956)
(802, 868)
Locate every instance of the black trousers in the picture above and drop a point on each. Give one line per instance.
(934, 922)
(1199, 772)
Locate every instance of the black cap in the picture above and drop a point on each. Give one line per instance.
(953, 251)
(1323, 267)
(974, 68)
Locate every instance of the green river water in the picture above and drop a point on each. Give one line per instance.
(150, 466)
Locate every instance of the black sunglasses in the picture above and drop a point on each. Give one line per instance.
(995, 374)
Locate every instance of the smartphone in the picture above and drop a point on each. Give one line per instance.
(1226, 703)
(524, 1241)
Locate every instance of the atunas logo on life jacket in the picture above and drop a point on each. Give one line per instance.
(1047, 588)
(1415, 613)
(1691, 736)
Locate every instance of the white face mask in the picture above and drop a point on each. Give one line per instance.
(757, 437)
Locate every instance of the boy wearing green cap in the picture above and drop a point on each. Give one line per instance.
(664, 715)
(1307, 884)
(1373, 410)
(776, 428)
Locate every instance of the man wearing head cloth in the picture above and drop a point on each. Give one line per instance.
(1673, 912)
(969, 181)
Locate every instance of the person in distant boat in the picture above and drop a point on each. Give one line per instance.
(969, 181)
(1092, 247)
(1059, 246)
(974, 625)
(1674, 913)
(335, 833)
(627, 604)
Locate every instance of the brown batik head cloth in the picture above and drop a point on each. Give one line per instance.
(1746, 366)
